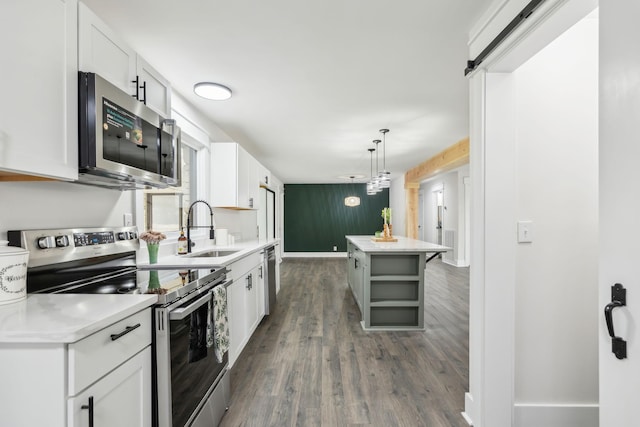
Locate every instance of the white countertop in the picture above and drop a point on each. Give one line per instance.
(65, 318)
(191, 260)
(404, 244)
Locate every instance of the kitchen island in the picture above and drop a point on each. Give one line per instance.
(387, 280)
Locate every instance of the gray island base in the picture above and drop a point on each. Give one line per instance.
(387, 281)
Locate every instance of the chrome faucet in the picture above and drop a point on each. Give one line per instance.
(212, 234)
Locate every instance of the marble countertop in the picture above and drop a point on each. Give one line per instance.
(65, 318)
(241, 249)
(404, 244)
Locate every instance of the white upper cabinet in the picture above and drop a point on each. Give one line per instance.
(39, 102)
(103, 52)
(234, 177)
(156, 90)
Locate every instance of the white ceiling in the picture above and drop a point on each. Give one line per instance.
(314, 81)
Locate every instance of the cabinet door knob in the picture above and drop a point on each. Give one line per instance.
(89, 406)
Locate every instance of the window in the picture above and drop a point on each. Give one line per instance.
(166, 209)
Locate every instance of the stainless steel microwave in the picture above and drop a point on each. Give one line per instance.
(123, 144)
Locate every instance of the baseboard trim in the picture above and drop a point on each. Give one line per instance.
(467, 419)
(468, 409)
(554, 415)
(456, 263)
(314, 255)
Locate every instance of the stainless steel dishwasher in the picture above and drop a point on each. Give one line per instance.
(270, 282)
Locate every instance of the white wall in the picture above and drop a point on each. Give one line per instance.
(556, 312)
(32, 205)
(397, 202)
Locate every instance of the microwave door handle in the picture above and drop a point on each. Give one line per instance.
(182, 312)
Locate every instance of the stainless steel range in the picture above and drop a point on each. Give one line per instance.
(191, 382)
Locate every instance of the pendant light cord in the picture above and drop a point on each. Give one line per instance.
(371, 150)
(384, 149)
(377, 141)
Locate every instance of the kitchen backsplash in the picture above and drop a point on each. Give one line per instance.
(43, 204)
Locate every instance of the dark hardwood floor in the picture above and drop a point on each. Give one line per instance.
(311, 364)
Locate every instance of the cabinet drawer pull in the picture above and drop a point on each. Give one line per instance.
(125, 332)
(89, 406)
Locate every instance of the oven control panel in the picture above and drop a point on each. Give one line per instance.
(61, 245)
(96, 238)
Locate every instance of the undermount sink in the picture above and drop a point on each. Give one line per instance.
(213, 254)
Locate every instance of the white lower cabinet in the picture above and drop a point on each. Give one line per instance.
(122, 398)
(245, 299)
(110, 375)
(235, 306)
(106, 376)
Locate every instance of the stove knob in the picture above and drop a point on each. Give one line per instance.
(133, 235)
(62, 241)
(122, 235)
(46, 242)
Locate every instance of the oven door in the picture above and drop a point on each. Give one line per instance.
(186, 366)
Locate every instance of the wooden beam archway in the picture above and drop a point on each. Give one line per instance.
(448, 159)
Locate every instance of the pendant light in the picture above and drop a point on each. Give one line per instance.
(376, 178)
(352, 201)
(384, 177)
(371, 186)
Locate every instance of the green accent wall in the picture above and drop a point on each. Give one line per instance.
(316, 219)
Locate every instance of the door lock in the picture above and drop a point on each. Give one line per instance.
(618, 299)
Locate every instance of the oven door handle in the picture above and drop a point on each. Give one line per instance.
(182, 312)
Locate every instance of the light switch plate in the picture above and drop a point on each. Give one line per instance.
(525, 231)
(127, 220)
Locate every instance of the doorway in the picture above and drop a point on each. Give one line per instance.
(535, 161)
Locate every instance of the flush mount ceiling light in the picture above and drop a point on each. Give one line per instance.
(213, 91)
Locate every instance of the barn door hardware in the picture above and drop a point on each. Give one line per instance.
(618, 299)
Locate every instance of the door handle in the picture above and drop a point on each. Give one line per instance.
(618, 299)
(89, 407)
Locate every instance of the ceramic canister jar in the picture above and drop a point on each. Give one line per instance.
(13, 273)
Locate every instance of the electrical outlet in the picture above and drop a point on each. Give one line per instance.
(127, 220)
(335, 249)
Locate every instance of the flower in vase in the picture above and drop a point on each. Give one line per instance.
(153, 239)
(152, 236)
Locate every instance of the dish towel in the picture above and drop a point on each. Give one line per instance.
(210, 322)
(220, 321)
